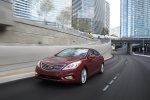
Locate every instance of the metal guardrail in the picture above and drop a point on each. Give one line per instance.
(55, 25)
(130, 38)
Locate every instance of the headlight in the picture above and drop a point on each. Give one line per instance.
(39, 64)
(72, 65)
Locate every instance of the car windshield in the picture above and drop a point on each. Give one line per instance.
(73, 52)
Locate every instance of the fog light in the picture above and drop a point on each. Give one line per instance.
(69, 77)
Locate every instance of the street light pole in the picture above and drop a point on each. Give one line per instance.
(143, 46)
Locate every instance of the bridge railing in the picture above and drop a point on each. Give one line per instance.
(130, 38)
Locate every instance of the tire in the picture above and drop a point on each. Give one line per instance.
(102, 69)
(83, 76)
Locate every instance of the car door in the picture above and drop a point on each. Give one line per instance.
(99, 60)
(92, 62)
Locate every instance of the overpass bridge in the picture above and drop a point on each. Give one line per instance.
(143, 41)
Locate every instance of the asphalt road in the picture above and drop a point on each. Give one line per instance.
(126, 77)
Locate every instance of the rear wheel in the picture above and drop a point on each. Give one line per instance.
(102, 69)
(83, 76)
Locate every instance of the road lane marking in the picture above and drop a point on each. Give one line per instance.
(115, 77)
(111, 82)
(106, 88)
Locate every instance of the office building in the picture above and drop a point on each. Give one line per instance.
(107, 17)
(135, 18)
(30, 9)
(22, 8)
(76, 7)
(88, 15)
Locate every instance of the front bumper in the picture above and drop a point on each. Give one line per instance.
(69, 76)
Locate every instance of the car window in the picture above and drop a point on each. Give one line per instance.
(73, 52)
(91, 53)
(96, 53)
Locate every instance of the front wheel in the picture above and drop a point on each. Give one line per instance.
(83, 76)
(102, 69)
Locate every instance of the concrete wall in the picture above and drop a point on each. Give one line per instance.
(26, 32)
(15, 31)
(24, 54)
(6, 15)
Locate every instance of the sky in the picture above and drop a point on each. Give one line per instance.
(114, 13)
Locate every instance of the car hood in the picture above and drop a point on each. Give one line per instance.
(60, 60)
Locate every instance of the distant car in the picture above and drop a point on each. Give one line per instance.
(71, 65)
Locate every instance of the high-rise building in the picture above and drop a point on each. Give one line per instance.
(76, 7)
(22, 8)
(107, 17)
(99, 16)
(88, 15)
(31, 9)
(135, 18)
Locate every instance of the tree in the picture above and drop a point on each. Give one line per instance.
(82, 24)
(45, 7)
(65, 16)
(105, 31)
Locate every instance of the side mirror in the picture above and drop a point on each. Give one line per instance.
(91, 56)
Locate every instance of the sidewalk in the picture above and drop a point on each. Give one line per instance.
(141, 55)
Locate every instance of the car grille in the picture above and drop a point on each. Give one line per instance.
(51, 67)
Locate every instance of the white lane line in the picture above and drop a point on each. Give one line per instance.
(118, 74)
(115, 77)
(106, 88)
(126, 62)
(111, 82)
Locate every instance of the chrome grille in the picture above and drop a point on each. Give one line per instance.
(51, 67)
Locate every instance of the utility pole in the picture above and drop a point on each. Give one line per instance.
(143, 45)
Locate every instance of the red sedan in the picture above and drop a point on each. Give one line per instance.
(71, 65)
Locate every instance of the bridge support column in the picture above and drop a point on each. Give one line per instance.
(139, 49)
(146, 49)
(129, 48)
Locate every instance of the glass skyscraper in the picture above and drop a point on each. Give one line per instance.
(99, 16)
(29, 9)
(90, 12)
(22, 8)
(107, 16)
(135, 18)
(85, 15)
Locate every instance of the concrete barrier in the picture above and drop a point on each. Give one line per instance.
(24, 54)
